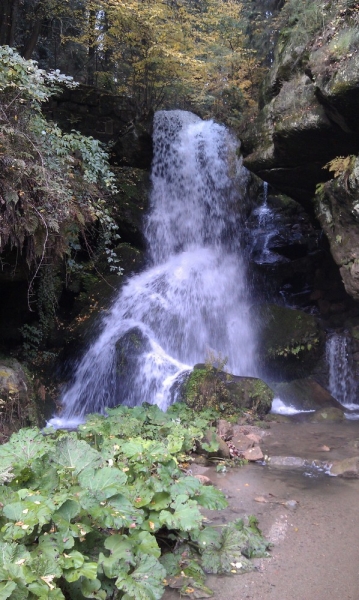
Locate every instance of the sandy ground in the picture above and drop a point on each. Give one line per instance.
(315, 553)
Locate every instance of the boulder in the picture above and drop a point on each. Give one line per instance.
(253, 454)
(325, 415)
(224, 429)
(253, 438)
(348, 468)
(243, 442)
(210, 437)
(305, 394)
(207, 386)
(203, 479)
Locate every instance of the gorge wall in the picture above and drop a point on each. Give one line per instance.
(305, 139)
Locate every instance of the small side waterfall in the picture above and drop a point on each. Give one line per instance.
(193, 299)
(264, 232)
(341, 374)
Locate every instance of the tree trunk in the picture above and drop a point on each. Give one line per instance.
(91, 48)
(8, 14)
(31, 42)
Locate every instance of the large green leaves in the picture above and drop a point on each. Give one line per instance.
(145, 582)
(84, 514)
(185, 517)
(75, 455)
(229, 553)
(101, 484)
(23, 447)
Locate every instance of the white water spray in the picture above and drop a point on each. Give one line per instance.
(341, 374)
(193, 300)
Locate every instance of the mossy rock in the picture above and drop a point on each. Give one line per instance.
(327, 415)
(290, 343)
(208, 387)
(17, 399)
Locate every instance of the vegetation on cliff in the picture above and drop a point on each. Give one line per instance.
(52, 184)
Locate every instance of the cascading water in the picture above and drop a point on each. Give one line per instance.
(341, 374)
(265, 231)
(193, 299)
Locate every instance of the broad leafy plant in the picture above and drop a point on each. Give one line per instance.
(108, 512)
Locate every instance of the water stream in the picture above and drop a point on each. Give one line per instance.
(193, 299)
(341, 373)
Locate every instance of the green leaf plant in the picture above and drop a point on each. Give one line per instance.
(108, 511)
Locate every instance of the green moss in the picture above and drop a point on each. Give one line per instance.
(205, 388)
(287, 332)
(208, 387)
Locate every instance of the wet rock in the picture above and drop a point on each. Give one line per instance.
(243, 442)
(287, 461)
(203, 479)
(278, 418)
(348, 468)
(210, 437)
(131, 203)
(290, 340)
(254, 438)
(253, 454)
(248, 430)
(199, 459)
(225, 429)
(305, 394)
(330, 414)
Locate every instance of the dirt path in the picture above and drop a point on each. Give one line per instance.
(316, 545)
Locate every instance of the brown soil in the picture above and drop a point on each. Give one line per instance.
(316, 545)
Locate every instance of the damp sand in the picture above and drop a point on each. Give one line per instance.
(315, 553)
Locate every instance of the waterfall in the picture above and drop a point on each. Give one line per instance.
(341, 375)
(265, 231)
(193, 299)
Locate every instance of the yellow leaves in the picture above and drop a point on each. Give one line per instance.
(48, 579)
(341, 165)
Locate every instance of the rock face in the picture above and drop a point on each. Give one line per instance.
(290, 341)
(210, 387)
(337, 209)
(305, 394)
(17, 406)
(106, 117)
(309, 119)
